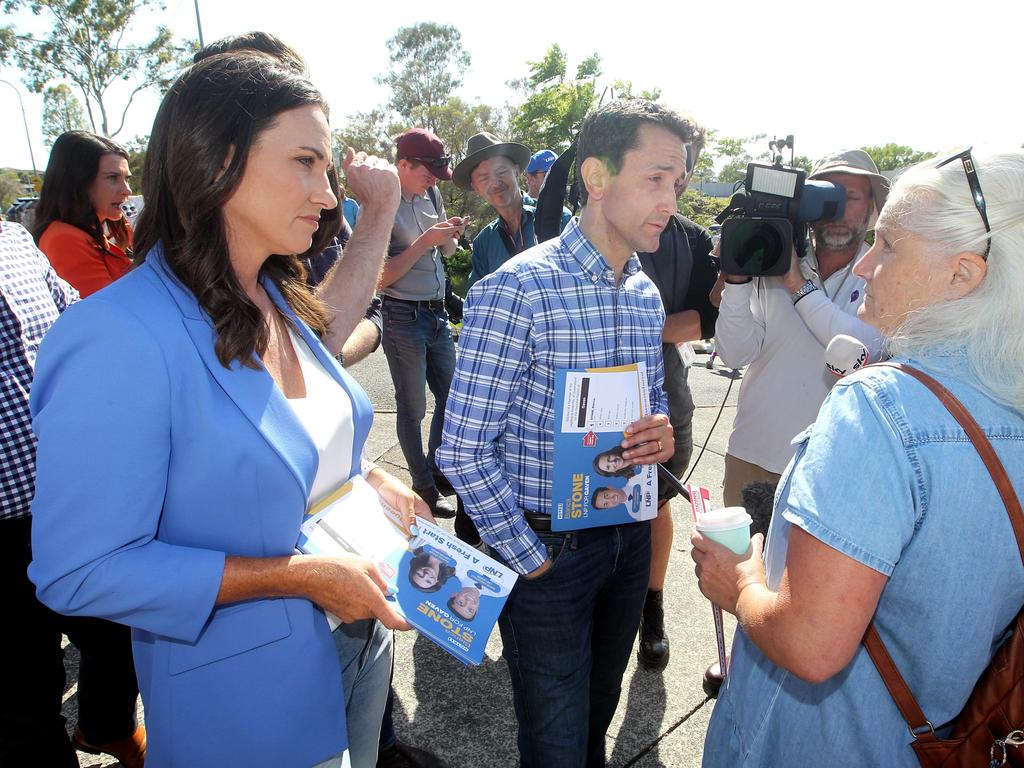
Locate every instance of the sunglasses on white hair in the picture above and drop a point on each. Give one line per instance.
(972, 180)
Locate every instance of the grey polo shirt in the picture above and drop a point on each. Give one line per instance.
(425, 280)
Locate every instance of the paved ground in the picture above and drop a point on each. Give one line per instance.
(465, 713)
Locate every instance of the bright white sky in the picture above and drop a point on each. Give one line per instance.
(929, 74)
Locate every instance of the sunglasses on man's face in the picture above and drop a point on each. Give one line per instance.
(964, 155)
(433, 162)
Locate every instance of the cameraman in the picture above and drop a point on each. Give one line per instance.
(780, 326)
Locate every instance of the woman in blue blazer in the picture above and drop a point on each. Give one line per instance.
(174, 466)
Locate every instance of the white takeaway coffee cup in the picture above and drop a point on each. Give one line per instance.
(729, 526)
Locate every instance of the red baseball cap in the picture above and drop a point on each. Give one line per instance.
(421, 145)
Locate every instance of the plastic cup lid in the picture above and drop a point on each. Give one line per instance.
(723, 519)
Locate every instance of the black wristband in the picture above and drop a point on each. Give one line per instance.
(741, 282)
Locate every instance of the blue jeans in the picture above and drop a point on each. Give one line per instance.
(365, 653)
(420, 351)
(568, 636)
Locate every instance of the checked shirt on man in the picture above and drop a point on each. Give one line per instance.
(554, 306)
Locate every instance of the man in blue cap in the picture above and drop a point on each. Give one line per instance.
(491, 169)
(537, 170)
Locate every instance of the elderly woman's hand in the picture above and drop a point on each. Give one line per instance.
(351, 588)
(649, 439)
(722, 573)
(400, 496)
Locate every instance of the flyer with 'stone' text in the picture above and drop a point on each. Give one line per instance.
(593, 484)
(449, 591)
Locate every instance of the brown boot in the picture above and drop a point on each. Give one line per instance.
(130, 751)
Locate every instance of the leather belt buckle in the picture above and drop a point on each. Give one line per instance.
(538, 522)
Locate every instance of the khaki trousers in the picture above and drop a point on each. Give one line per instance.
(737, 474)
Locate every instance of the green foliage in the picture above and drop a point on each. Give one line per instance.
(84, 47)
(705, 168)
(554, 108)
(736, 153)
(369, 132)
(894, 157)
(427, 65)
(623, 89)
(804, 162)
(458, 266)
(136, 149)
(699, 208)
(8, 39)
(555, 105)
(62, 112)
(10, 188)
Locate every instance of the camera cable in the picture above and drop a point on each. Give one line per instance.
(721, 409)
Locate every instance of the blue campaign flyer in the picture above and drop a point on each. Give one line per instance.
(593, 484)
(449, 591)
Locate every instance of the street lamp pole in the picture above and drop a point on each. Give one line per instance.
(28, 136)
(199, 24)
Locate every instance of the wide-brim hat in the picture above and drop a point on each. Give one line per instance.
(856, 162)
(484, 146)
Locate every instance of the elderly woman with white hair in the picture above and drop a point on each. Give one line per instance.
(887, 516)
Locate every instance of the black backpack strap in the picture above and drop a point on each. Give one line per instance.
(435, 198)
(547, 221)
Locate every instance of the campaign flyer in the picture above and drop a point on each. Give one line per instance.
(452, 592)
(593, 484)
(449, 591)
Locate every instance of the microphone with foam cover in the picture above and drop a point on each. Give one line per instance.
(845, 354)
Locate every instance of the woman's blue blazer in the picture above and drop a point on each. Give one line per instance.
(156, 462)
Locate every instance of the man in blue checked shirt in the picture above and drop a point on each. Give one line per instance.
(578, 301)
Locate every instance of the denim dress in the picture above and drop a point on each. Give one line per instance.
(887, 477)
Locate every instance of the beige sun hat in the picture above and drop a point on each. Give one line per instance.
(484, 146)
(856, 162)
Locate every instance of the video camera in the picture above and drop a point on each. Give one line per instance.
(775, 202)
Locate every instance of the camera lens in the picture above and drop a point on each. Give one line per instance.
(756, 247)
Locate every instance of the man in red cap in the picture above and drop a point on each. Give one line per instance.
(417, 339)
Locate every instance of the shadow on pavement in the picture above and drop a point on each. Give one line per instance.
(464, 714)
(646, 699)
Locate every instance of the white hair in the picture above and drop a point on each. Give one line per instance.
(986, 325)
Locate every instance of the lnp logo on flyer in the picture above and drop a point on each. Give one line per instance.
(590, 439)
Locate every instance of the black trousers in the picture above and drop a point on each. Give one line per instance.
(32, 730)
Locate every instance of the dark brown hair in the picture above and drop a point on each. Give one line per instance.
(275, 47)
(213, 113)
(626, 470)
(263, 42)
(612, 130)
(71, 170)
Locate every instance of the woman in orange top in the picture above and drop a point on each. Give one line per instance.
(79, 223)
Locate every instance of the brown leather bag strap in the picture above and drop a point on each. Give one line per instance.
(897, 686)
(894, 682)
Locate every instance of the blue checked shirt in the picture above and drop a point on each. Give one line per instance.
(31, 299)
(555, 306)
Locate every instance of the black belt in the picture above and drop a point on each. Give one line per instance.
(538, 522)
(434, 304)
